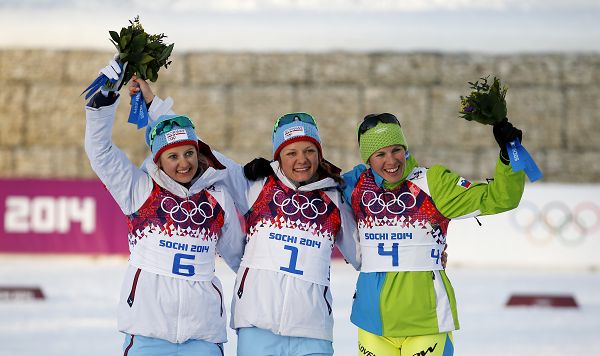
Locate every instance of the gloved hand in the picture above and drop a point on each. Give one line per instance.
(114, 73)
(505, 132)
(258, 168)
(444, 257)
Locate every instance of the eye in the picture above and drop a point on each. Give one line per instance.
(172, 156)
(189, 153)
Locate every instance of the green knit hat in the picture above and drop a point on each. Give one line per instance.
(382, 135)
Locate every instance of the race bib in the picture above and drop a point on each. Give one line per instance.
(391, 248)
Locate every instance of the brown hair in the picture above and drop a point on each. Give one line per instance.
(327, 169)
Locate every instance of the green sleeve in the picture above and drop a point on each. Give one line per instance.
(501, 194)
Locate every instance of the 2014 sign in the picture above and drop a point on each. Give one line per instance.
(45, 214)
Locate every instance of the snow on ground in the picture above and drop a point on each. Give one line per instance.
(78, 316)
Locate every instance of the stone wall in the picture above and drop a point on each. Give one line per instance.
(234, 99)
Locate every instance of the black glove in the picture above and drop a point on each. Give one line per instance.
(505, 132)
(258, 168)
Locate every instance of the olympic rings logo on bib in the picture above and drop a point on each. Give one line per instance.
(376, 203)
(299, 203)
(187, 210)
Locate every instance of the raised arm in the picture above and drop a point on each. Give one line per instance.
(128, 184)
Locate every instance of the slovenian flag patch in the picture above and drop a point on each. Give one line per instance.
(463, 182)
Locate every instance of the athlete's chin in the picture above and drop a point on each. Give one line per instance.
(301, 177)
(183, 180)
(392, 178)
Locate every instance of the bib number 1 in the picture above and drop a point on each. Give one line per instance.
(291, 268)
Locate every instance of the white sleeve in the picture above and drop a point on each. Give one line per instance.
(236, 182)
(160, 107)
(232, 241)
(347, 238)
(129, 185)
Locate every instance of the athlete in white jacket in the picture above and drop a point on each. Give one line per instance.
(179, 216)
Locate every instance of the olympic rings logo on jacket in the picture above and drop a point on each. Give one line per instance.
(555, 218)
(310, 209)
(198, 214)
(376, 203)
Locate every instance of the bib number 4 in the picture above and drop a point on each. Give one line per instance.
(393, 253)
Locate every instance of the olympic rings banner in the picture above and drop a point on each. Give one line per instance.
(60, 216)
(555, 226)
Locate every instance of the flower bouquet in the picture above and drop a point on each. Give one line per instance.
(144, 53)
(138, 53)
(486, 104)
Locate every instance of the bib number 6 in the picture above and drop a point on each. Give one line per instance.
(180, 268)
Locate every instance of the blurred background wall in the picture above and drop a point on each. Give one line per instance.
(235, 97)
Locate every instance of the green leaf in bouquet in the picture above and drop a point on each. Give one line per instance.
(114, 36)
(138, 43)
(125, 39)
(146, 58)
(135, 58)
(142, 70)
(151, 75)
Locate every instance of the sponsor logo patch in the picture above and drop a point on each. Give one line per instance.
(293, 132)
(176, 135)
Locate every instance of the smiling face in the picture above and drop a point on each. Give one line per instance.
(389, 162)
(180, 163)
(299, 161)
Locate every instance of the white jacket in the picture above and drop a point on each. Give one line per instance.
(281, 303)
(165, 307)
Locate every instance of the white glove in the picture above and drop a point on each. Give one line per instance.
(114, 73)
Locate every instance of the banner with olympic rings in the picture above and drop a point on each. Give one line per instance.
(555, 226)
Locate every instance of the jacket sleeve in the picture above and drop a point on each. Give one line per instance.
(129, 185)
(347, 238)
(233, 238)
(350, 180)
(160, 107)
(236, 182)
(456, 197)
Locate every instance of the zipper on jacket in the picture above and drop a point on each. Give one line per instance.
(326, 301)
(220, 296)
(241, 288)
(133, 287)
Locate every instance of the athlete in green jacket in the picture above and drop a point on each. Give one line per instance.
(404, 303)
